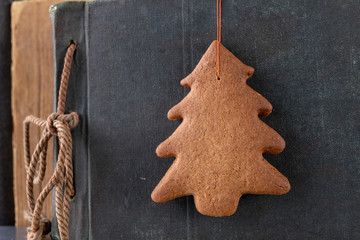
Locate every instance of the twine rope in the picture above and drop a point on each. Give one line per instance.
(218, 23)
(57, 124)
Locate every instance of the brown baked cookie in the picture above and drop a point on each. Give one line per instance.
(220, 143)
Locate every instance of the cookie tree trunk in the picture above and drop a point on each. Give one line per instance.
(220, 143)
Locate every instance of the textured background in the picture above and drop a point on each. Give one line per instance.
(6, 167)
(131, 56)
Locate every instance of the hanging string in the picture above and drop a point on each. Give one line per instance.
(57, 124)
(218, 14)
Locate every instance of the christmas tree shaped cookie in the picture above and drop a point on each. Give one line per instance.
(220, 143)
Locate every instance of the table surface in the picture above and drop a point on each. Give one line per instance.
(12, 233)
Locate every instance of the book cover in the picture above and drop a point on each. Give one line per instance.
(130, 58)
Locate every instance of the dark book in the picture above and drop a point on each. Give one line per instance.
(6, 161)
(130, 58)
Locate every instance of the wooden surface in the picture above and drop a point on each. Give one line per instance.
(32, 88)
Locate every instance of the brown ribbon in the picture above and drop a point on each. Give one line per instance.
(218, 23)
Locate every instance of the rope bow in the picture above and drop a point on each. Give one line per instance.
(57, 124)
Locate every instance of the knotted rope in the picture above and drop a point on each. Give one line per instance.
(57, 124)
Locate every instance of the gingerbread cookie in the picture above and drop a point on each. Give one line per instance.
(220, 143)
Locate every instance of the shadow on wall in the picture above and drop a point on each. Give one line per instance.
(6, 171)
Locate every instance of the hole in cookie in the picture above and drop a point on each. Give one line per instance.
(218, 78)
(72, 42)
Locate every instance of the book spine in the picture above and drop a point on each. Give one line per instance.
(32, 73)
(69, 26)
